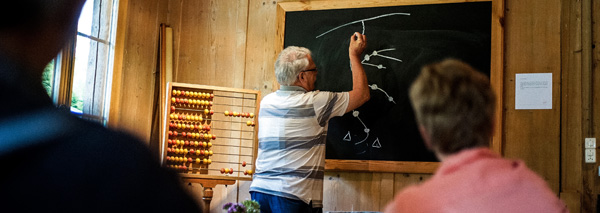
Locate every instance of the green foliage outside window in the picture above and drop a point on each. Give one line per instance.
(48, 82)
(77, 102)
(48, 77)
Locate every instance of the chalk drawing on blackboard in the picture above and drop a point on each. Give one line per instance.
(422, 36)
(348, 137)
(367, 130)
(363, 22)
(375, 87)
(376, 53)
(376, 143)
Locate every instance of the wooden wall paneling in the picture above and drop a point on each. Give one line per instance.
(222, 194)
(532, 38)
(174, 19)
(117, 82)
(346, 191)
(403, 180)
(589, 170)
(387, 189)
(260, 57)
(497, 63)
(595, 130)
(214, 36)
(243, 192)
(260, 47)
(571, 130)
(163, 11)
(333, 191)
(191, 49)
(364, 191)
(134, 113)
(368, 191)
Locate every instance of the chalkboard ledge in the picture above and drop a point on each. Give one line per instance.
(380, 166)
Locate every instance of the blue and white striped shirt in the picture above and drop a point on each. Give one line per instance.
(291, 142)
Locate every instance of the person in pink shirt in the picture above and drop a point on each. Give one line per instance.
(454, 106)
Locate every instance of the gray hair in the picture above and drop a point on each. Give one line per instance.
(455, 104)
(290, 62)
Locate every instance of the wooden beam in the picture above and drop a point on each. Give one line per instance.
(328, 5)
(571, 106)
(589, 170)
(380, 166)
(116, 91)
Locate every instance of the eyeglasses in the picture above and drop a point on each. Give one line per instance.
(310, 70)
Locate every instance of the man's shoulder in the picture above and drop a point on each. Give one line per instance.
(409, 199)
(62, 129)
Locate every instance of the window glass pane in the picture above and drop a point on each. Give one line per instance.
(85, 20)
(82, 51)
(102, 20)
(96, 19)
(91, 80)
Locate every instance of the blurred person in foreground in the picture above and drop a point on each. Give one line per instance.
(454, 107)
(52, 161)
(290, 165)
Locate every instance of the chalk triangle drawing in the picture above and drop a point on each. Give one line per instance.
(348, 137)
(376, 144)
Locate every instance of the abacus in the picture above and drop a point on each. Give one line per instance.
(210, 132)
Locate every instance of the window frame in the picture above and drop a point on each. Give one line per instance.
(64, 72)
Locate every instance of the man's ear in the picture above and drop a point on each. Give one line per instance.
(301, 75)
(425, 137)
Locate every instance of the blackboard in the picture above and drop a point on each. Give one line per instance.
(401, 39)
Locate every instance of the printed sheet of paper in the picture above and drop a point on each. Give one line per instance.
(533, 91)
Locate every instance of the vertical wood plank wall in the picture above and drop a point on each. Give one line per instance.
(591, 171)
(571, 181)
(231, 43)
(532, 39)
(132, 107)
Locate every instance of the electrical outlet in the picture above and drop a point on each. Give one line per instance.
(590, 155)
(590, 143)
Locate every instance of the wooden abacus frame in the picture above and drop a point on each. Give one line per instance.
(203, 168)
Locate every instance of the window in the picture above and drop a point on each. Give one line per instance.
(80, 77)
(48, 77)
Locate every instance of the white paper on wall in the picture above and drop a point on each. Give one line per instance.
(533, 91)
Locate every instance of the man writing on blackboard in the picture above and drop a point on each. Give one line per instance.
(454, 106)
(293, 129)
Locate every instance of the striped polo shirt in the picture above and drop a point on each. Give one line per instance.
(291, 142)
